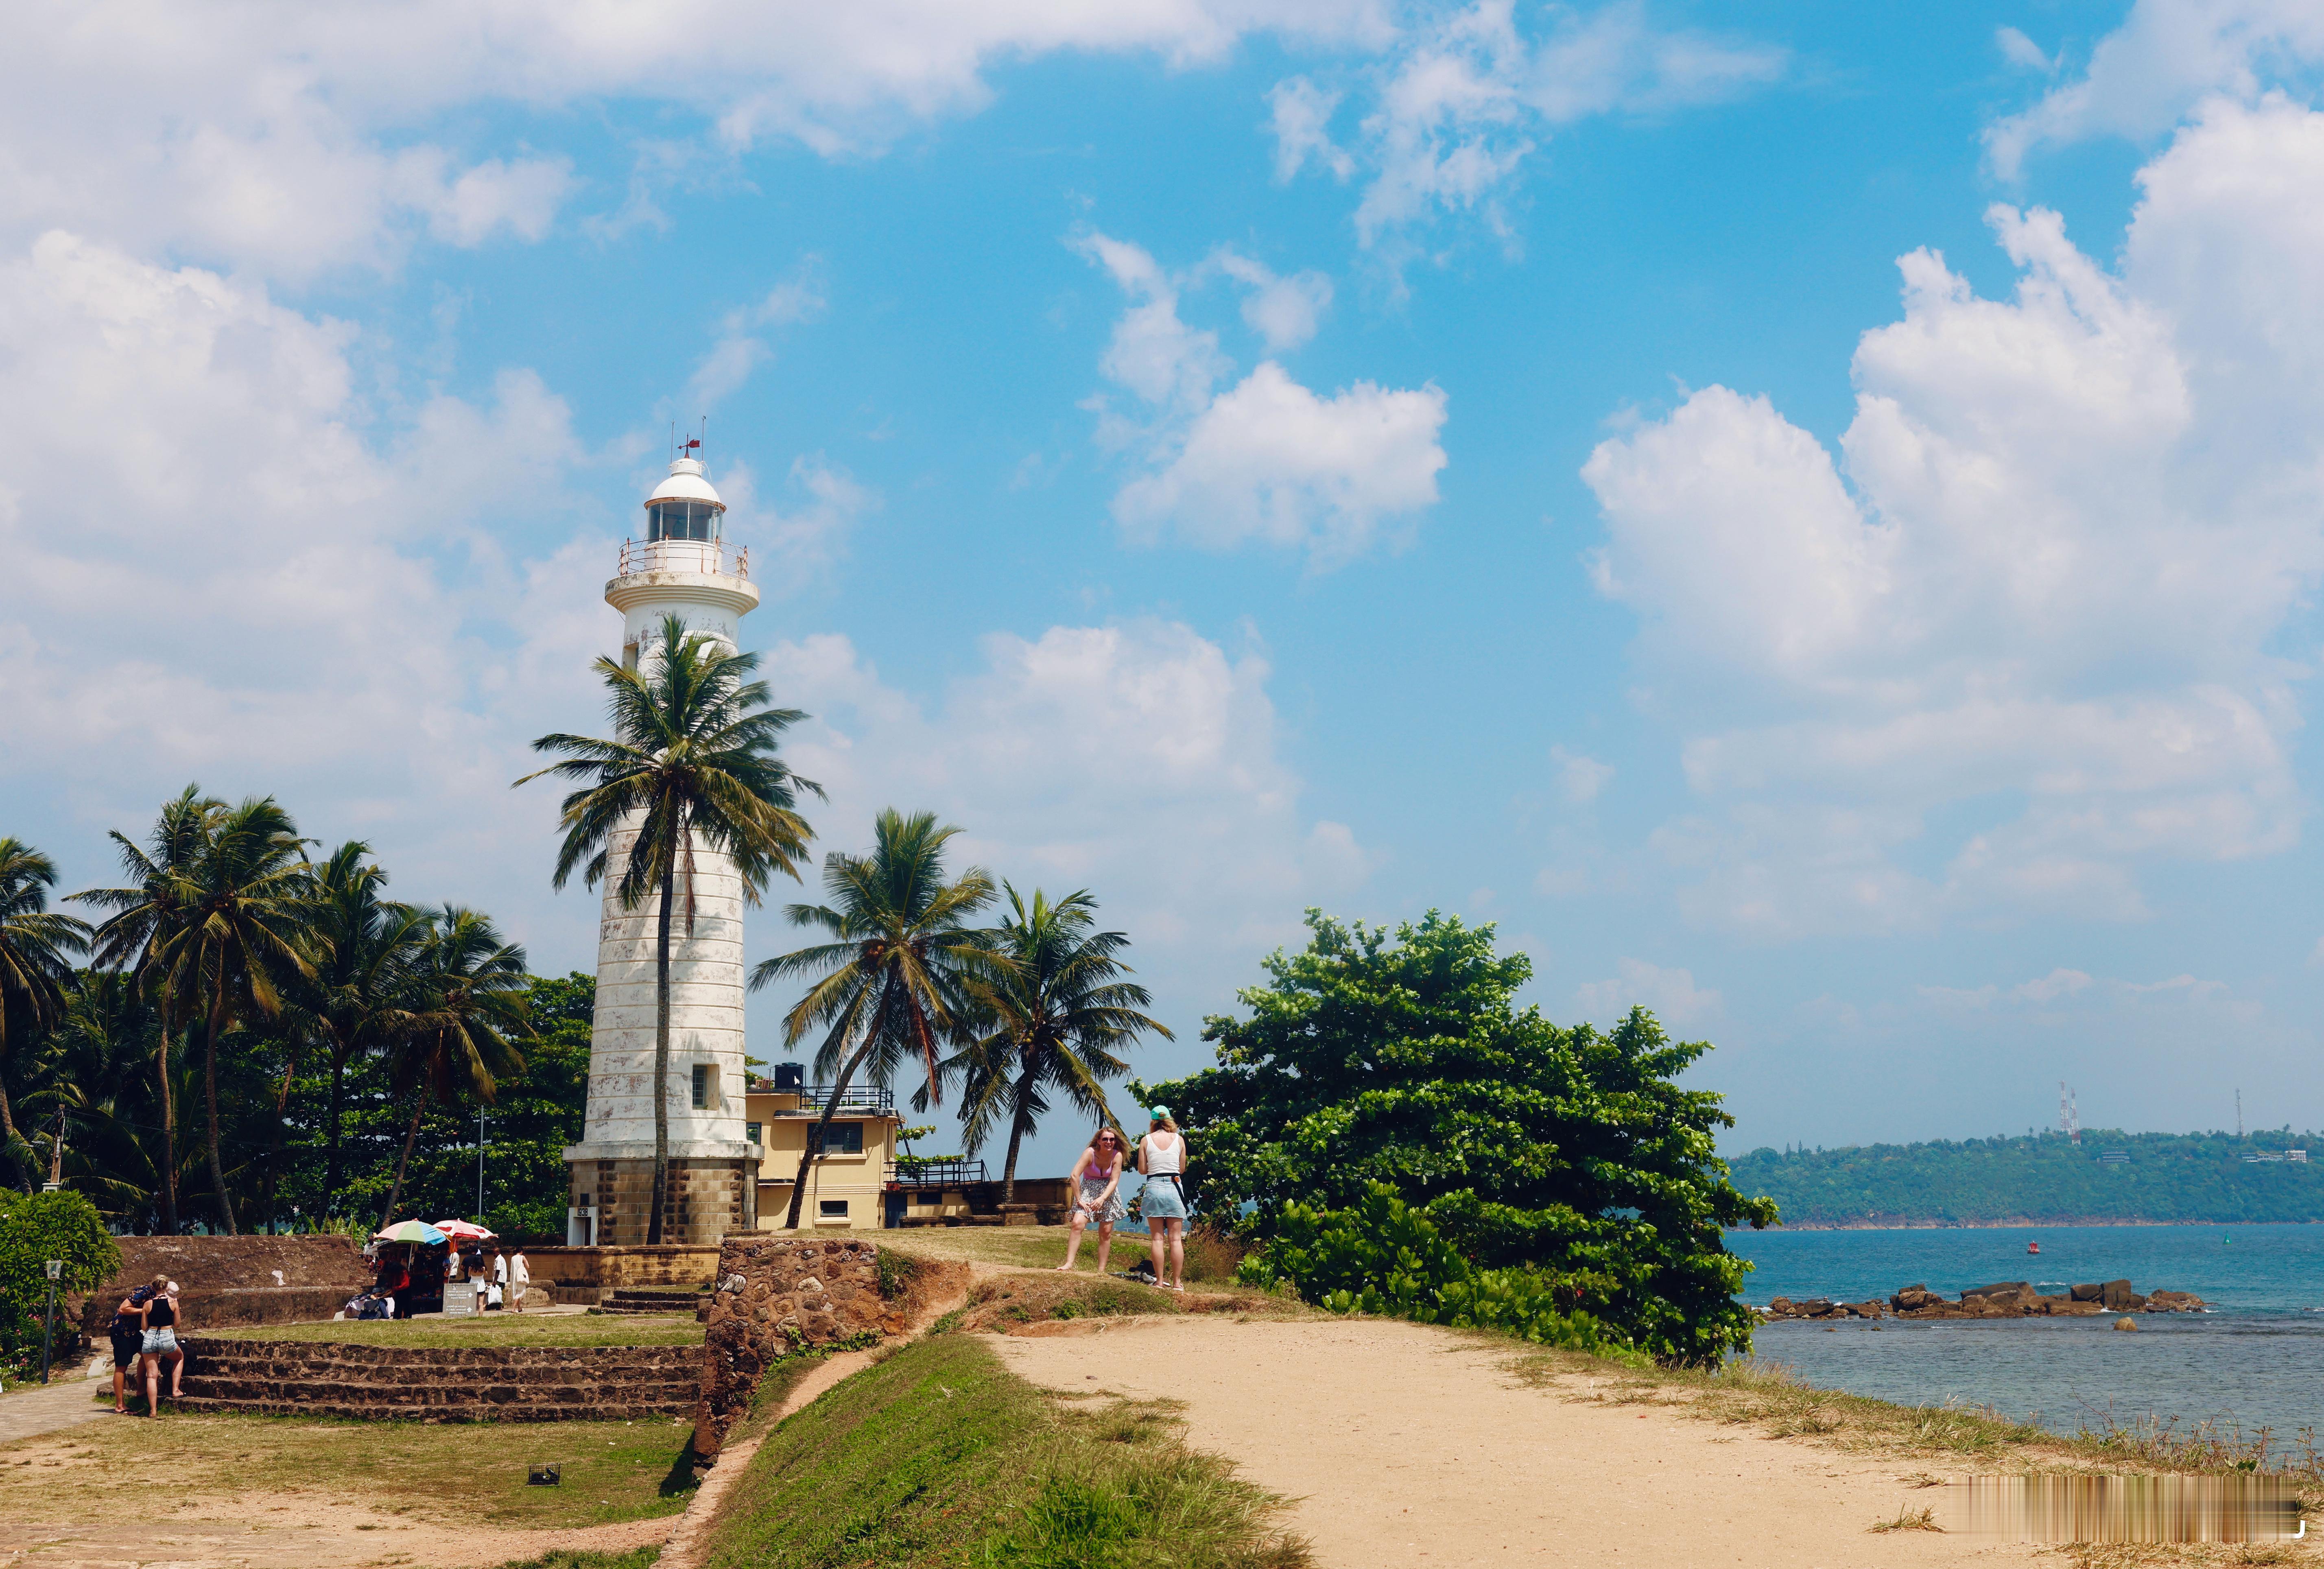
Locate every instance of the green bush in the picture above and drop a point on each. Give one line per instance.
(1381, 1256)
(1565, 1163)
(33, 1229)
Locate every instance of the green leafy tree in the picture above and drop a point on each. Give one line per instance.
(694, 761)
(36, 948)
(1408, 1063)
(471, 988)
(893, 980)
(1058, 1016)
(100, 1067)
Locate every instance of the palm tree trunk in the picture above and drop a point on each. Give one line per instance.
(169, 1140)
(209, 1100)
(13, 1143)
(816, 1134)
(1019, 1127)
(275, 1141)
(661, 1049)
(409, 1138)
(333, 1171)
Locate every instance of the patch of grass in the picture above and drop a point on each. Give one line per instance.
(566, 1558)
(1911, 1520)
(1004, 1300)
(612, 1470)
(564, 1329)
(940, 1456)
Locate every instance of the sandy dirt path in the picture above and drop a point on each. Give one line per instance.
(1408, 1444)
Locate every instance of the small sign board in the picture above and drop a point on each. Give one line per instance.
(56, 1267)
(459, 1302)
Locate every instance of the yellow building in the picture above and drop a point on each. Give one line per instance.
(847, 1183)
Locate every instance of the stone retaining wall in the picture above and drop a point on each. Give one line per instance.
(577, 1272)
(230, 1280)
(441, 1383)
(780, 1293)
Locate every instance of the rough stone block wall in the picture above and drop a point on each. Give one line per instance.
(229, 1280)
(706, 1199)
(780, 1292)
(669, 1264)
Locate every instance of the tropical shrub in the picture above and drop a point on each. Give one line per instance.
(33, 1229)
(1569, 1156)
(1381, 1256)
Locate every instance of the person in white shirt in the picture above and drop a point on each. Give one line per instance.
(520, 1276)
(1162, 1158)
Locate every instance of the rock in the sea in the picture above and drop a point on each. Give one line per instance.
(2173, 1302)
(2125, 1324)
(1913, 1296)
(2012, 1290)
(2093, 1292)
(2120, 1298)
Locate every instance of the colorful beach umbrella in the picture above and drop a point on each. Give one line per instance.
(410, 1232)
(464, 1231)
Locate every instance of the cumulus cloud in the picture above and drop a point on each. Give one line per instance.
(1465, 97)
(1670, 995)
(1139, 759)
(2019, 49)
(1580, 777)
(2038, 588)
(288, 140)
(741, 346)
(2146, 75)
(1267, 458)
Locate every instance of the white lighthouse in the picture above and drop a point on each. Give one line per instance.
(682, 565)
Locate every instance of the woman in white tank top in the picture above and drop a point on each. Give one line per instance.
(1162, 1156)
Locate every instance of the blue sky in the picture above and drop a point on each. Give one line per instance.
(1238, 458)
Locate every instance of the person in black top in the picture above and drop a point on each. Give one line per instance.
(127, 1333)
(160, 1345)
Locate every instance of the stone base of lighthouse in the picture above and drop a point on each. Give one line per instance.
(711, 1193)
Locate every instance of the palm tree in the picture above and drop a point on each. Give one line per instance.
(359, 1001)
(217, 920)
(1058, 1018)
(102, 1063)
(470, 989)
(894, 976)
(693, 761)
(35, 971)
(126, 940)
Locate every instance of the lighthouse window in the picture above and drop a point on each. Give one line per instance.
(681, 520)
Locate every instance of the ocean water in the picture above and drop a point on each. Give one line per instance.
(2256, 1361)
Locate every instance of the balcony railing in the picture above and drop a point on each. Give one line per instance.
(947, 1173)
(709, 556)
(859, 1098)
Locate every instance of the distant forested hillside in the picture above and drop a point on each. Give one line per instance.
(2045, 1178)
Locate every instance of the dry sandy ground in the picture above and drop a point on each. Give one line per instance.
(1408, 1444)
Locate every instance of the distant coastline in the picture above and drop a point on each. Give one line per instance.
(2105, 1178)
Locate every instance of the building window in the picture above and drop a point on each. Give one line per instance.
(833, 1209)
(839, 1138)
(753, 1128)
(706, 1086)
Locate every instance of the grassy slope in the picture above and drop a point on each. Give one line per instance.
(564, 1330)
(1044, 1247)
(939, 1455)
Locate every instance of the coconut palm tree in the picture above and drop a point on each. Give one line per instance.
(893, 980)
(102, 1063)
(125, 941)
(36, 970)
(217, 924)
(359, 1001)
(693, 763)
(1057, 1019)
(470, 990)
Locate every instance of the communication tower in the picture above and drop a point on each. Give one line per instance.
(2070, 1118)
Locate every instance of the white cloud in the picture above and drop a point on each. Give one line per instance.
(1300, 115)
(1466, 95)
(1266, 460)
(1284, 311)
(2057, 983)
(284, 141)
(1580, 777)
(1139, 760)
(2166, 57)
(1670, 995)
(2040, 589)
(2019, 49)
(740, 347)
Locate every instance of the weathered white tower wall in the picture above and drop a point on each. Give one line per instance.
(681, 568)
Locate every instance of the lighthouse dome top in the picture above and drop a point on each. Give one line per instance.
(684, 506)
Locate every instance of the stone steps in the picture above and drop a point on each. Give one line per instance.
(627, 1301)
(441, 1383)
